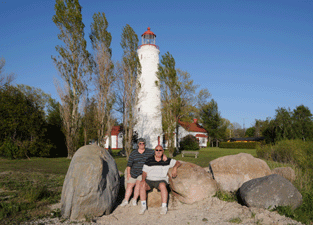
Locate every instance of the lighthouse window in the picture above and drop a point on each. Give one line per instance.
(138, 109)
(141, 56)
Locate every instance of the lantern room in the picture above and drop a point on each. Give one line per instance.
(148, 38)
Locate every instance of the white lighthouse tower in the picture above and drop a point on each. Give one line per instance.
(148, 109)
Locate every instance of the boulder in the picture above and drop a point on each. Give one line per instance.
(286, 172)
(154, 198)
(231, 171)
(192, 183)
(91, 184)
(269, 192)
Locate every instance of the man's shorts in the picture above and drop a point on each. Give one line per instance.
(155, 183)
(133, 180)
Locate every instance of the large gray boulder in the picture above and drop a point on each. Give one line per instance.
(91, 184)
(192, 183)
(231, 171)
(269, 192)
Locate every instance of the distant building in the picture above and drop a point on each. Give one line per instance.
(116, 138)
(190, 128)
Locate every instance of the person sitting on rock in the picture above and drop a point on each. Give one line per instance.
(135, 163)
(154, 175)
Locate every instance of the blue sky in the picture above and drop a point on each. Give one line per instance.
(252, 56)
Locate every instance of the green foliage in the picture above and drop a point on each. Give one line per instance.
(287, 124)
(131, 68)
(23, 126)
(226, 196)
(300, 155)
(242, 145)
(289, 151)
(189, 142)
(212, 121)
(74, 65)
(250, 132)
(235, 220)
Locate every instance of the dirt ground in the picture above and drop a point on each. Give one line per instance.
(208, 211)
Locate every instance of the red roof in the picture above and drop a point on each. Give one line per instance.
(116, 130)
(201, 135)
(193, 127)
(148, 32)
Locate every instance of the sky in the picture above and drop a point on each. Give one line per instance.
(252, 56)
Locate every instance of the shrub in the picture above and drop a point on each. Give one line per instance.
(189, 142)
(241, 145)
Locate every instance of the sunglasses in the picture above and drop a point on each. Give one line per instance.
(141, 143)
(159, 150)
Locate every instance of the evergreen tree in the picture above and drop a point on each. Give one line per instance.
(212, 120)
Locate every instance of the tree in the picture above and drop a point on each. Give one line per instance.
(128, 73)
(168, 83)
(23, 126)
(55, 132)
(35, 95)
(302, 123)
(73, 64)
(211, 120)
(177, 98)
(238, 132)
(250, 132)
(283, 125)
(5, 79)
(104, 76)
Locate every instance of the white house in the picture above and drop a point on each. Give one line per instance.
(190, 128)
(116, 138)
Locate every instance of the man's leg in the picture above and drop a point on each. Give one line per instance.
(144, 187)
(164, 195)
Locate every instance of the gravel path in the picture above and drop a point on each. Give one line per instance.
(208, 211)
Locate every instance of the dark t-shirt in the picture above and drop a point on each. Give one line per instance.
(137, 160)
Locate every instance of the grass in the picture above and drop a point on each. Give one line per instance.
(27, 187)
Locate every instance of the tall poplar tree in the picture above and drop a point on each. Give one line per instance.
(73, 64)
(130, 69)
(177, 98)
(104, 76)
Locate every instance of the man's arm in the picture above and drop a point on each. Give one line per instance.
(174, 171)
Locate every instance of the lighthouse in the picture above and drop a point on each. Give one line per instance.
(148, 109)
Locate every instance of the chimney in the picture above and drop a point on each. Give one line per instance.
(195, 120)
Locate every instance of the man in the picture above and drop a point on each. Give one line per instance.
(135, 163)
(154, 175)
